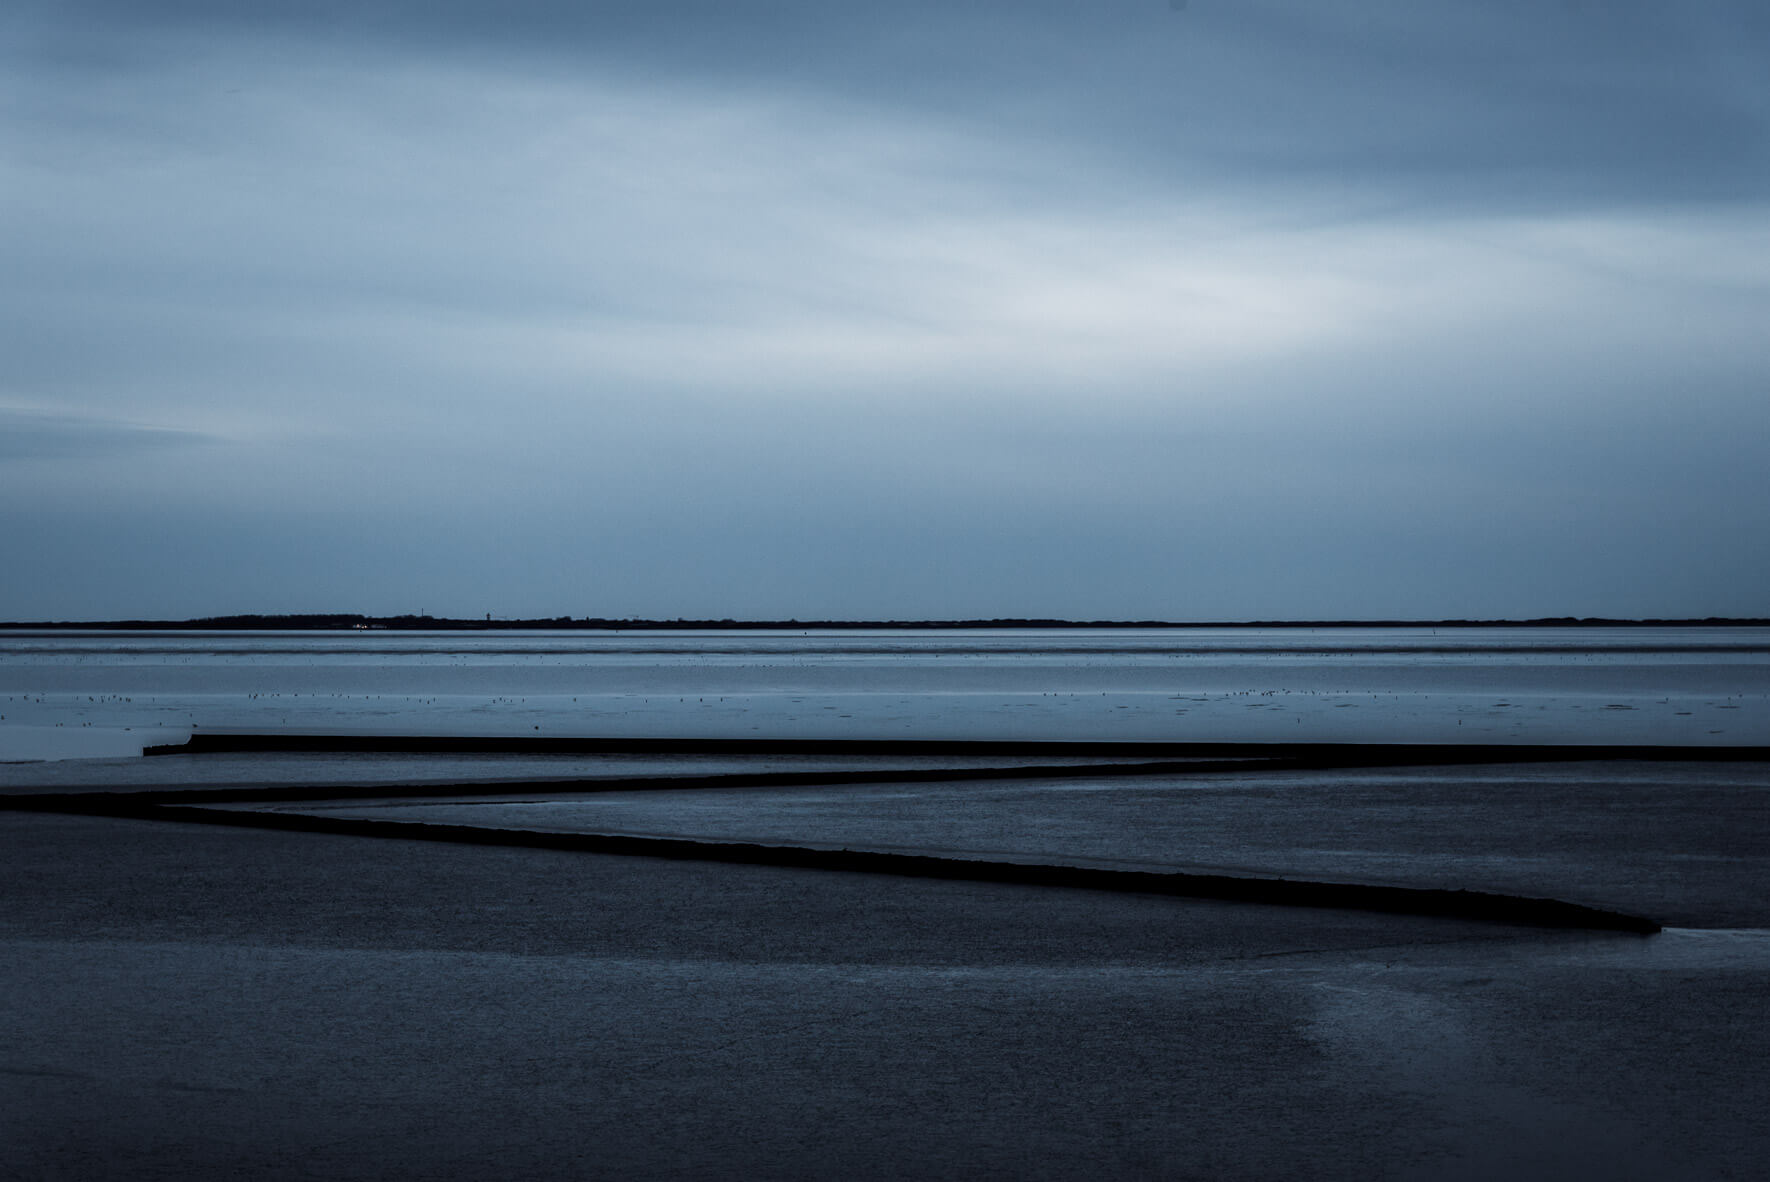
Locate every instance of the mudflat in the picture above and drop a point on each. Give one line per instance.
(189, 1000)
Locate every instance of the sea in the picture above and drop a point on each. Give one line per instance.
(106, 693)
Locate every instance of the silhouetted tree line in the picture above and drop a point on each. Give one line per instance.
(342, 621)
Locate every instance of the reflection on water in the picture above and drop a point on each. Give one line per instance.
(1598, 685)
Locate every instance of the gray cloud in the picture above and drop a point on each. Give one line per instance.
(1250, 309)
(1460, 103)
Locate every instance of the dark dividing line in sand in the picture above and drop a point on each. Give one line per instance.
(1182, 759)
(1424, 901)
(1299, 755)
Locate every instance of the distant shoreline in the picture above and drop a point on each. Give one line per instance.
(342, 622)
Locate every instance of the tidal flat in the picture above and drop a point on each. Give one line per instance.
(197, 1000)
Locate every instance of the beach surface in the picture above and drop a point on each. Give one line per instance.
(193, 1001)
(189, 999)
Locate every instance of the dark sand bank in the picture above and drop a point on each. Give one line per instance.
(1459, 903)
(193, 1000)
(1301, 838)
(954, 793)
(207, 1000)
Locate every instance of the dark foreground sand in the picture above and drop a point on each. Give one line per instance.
(191, 1001)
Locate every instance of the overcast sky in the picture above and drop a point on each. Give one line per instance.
(1226, 309)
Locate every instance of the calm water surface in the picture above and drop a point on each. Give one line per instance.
(1599, 685)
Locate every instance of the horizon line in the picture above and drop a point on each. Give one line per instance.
(351, 621)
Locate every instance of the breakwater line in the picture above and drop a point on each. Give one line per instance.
(1286, 892)
(1306, 755)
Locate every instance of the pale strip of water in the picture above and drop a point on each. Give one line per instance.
(367, 769)
(1544, 685)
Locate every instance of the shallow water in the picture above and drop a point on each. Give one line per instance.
(366, 769)
(1539, 685)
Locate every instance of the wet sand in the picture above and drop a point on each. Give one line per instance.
(195, 1001)
(205, 1001)
(1685, 843)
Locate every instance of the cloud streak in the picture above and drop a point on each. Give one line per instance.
(46, 435)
